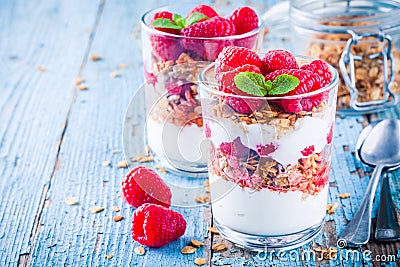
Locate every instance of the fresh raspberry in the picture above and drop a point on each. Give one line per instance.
(266, 150)
(308, 151)
(242, 105)
(207, 49)
(230, 62)
(232, 57)
(155, 226)
(245, 19)
(278, 59)
(164, 15)
(214, 27)
(308, 80)
(143, 185)
(226, 80)
(205, 10)
(321, 69)
(226, 148)
(212, 48)
(166, 47)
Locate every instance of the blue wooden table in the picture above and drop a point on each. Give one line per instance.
(55, 137)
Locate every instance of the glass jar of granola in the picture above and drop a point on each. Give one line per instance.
(361, 39)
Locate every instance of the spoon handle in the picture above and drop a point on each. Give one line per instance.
(357, 232)
(387, 225)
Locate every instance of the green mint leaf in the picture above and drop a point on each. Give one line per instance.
(268, 85)
(251, 83)
(176, 17)
(283, 84)
(194, 18)
(179, 20)
(165, 23)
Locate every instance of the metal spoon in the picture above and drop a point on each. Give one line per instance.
(387, 225)
(382, 150)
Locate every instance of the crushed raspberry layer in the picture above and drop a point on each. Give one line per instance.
(181, 107)
(258, 170)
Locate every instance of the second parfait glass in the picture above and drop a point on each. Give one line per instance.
(172, 64)
(269, 169)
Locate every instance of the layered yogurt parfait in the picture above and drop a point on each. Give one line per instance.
(270, 121)
(178, 42)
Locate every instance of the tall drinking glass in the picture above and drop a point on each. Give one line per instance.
(269, 169)
(172, 64)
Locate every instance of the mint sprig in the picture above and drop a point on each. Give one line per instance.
(194, 18)
(251, 83)
(165, 23)
(255, 84)
(283, 84)
(178, 22)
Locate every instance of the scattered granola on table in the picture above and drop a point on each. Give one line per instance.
(188, 250)
(331, 208)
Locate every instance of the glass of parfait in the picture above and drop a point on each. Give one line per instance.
(270, 122)
(178, 42)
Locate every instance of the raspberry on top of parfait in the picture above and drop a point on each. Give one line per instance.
(240, 71)
(200, 22)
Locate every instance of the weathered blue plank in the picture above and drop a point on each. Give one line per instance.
(33, 107)
(94, 130)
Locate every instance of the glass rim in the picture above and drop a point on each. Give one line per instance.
(208, 86)
(311, 20)
(231, 37)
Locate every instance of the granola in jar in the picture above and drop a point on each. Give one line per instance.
(322, 30)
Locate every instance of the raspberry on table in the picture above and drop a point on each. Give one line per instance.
(321, 69)
(143, 185)
(232, 57)
(278, 59)
(155, 226)
(203, 9)
(245, 20)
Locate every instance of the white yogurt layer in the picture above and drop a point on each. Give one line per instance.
(265, 212)
(177, 144)
(306, 132)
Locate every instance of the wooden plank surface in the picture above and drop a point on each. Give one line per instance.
(41, 48)
(53, 140)
(82, 238)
